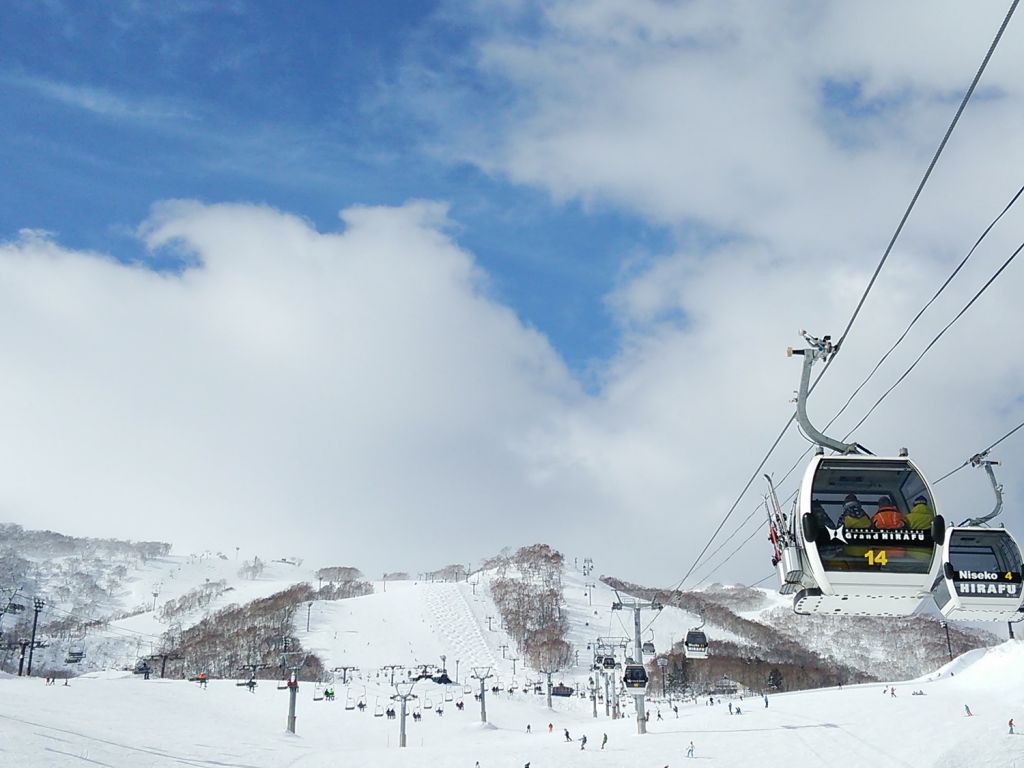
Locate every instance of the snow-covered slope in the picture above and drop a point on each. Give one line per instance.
(124, 721)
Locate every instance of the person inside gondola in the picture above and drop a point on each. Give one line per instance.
(854, 515)
(888, 517)
(921, 514)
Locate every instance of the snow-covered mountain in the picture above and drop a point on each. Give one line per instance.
(119, 603)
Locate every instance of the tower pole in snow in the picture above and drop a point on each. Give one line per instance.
(607, 698)
(37, 606)
(482, 674)
(403, 692)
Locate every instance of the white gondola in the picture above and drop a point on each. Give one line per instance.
(696, 645)
(836, 552)
(981, 578)
(634, 678)
(981, 567)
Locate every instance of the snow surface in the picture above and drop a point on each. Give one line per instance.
(126, 721)
(112, 718)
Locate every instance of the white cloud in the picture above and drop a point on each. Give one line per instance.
(716, 115)
(359, 394)
(100, 101)
(339, 394)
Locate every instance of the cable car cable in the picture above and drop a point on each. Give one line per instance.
(923, 309)
(871, 282)
(980, 453)
(924, 179)
(732, 554)
(937, 337)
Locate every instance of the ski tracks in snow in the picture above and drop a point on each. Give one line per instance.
(454, 621)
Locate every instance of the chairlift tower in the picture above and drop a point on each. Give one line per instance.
(293, 679)
(482, 674)
(403, 693)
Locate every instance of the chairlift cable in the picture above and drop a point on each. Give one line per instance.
(108, 628)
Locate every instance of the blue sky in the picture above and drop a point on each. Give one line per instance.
(107, 108)
(576, 238)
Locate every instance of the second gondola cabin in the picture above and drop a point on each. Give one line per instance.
(981, 575)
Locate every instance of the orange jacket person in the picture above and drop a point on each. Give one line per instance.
(888, 517)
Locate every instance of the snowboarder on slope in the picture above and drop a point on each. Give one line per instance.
(583, 742)
(567, 736)
(1011, 726)
(689, 751)
(604, 738)
(967, 709)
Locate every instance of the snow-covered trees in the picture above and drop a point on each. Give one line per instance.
(339, 573)
(528, 595)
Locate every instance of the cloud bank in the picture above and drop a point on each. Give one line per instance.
(359, 396)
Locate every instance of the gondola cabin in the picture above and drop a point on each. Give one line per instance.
(862, 553)
(981, 575)
(696, 645)
(648, 648)
(608, 662)
(634, 678)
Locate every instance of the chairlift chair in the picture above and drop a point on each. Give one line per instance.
(378, 709)
(427, 701)
(349, 703)
(318, 692)
(448, 696)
